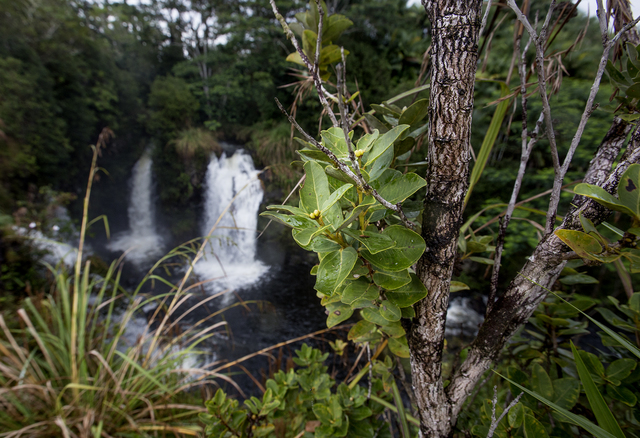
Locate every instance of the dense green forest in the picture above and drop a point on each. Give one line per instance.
(179, 78)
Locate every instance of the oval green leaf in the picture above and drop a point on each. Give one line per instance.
(409, 248)
(334, 269)
(391, 280)
(361, 328)
(373, 241)
(399, 347)
(359, 290)
(338, 312)
(409, 294)
(390, 311)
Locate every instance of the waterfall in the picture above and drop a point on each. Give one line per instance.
(233, 194)
(141, 242)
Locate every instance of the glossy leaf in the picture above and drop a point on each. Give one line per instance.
(304, 237)
(409, 294)
(359, 289)
(583, 244)
(393, 329)
(298, 222)
(390, 311)
(322, 244)
(515, 416)
(391, 280)
(315, 191)
(380, 165)
(629, 187)
(409, 247)
(289, 208)
(457, 286)
(399, 347)
(578, 279)
(334, 269)
(367, 141)
(338, 312)
(373, 241)
(400, 188)
(620, 369)
(622, 394)
(414, 113)
(603, 197)
(373, 315)
(361, 328)
(336, 24)
(566, 392)
(335, 197)
(382, 144)
(533, 428)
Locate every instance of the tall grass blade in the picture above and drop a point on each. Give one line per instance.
(603, 414)
(587, 425)
(397, 399)
(489, 140)
(142, 371)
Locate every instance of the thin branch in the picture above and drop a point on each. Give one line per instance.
(494, 422)
(527, 147)
(319, 39)
(484, 18)
(312, 70)
(539, 41)
(360, 182)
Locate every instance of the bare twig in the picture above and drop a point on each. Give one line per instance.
(539, 41)
(315, 74)
(527, 147)
(484, 18)
(494, 422)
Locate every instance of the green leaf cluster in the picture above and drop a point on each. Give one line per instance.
(560, 381)
(307, 29)
(626, 80)
(302, 402)
(365, 256)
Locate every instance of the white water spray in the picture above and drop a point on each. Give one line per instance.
(141, 241)
(232, 200)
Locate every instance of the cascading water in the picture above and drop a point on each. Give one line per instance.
(141, 242)
(232, 200)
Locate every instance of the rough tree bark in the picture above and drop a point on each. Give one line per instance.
(454, 53)
(454, 32)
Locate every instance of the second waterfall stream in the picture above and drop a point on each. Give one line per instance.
(233, 194)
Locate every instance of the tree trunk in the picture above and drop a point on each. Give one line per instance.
(454, 53)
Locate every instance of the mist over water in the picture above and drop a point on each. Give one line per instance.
(233, 194)
(142, 242)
